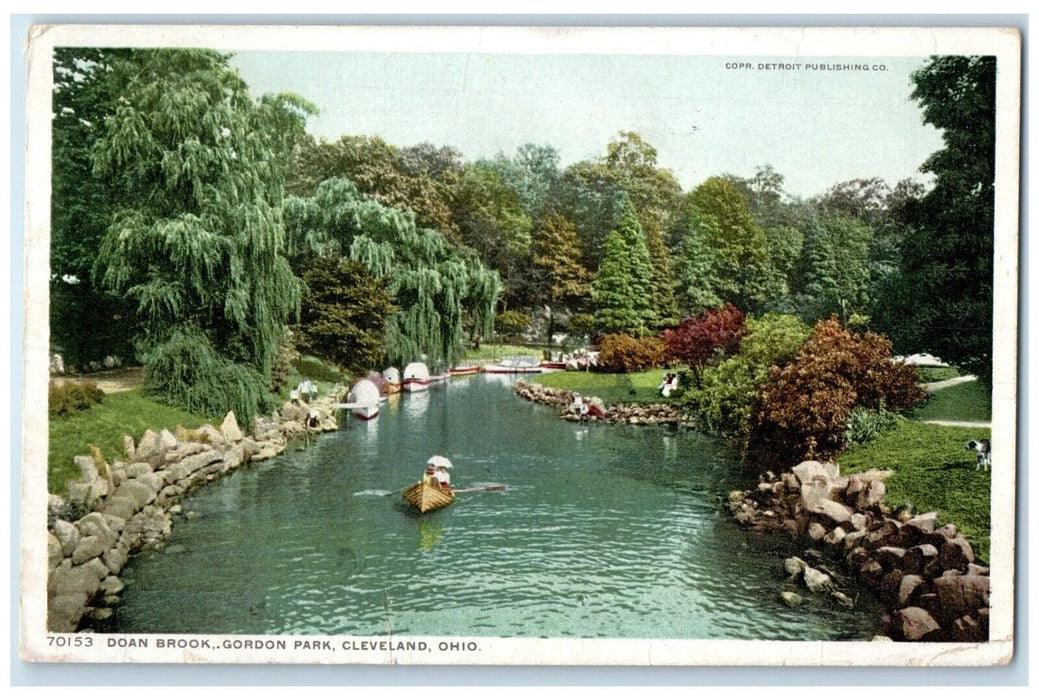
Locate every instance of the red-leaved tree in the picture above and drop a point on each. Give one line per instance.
(699, 339)
(805, 405)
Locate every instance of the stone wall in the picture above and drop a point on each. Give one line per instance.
(630, 413)
(131, 502)
(924, 574)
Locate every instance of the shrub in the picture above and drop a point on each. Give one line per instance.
(806, 405)
(65, 398)
(864, 424)
(188, 373)
(728, 394)
(701, 339)
(312, 368)
(619, 352)
(512, 322)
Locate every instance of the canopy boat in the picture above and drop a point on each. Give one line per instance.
(363, 399)
(426, 495)
(416, 377)
(516, 365)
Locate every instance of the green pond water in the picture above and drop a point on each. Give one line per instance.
(602, 531)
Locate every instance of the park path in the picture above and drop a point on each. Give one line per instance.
(113, 381)
(960, 423)
(936, 386)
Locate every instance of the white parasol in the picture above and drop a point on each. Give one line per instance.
(438, 461)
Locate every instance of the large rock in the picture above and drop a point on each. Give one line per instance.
(54, 555)
(67, 535)
(817, 581)
(872, 496)
(790, 599)
(87, 468)
(967, 629)
(975, 591)
(148, 446)
(128, 448)
(916, 625)
(65, 611)
(139, 492)
(97, 525)
(189, 465)
(229, 428)
(956, 554)
(808, 470)
(119, 506)
(816, 531)
(910, 586)
(794, 566)
(836, 512)
(167, 440)
(88, 548)
(950, 594)
(921, 559)
(890, 557)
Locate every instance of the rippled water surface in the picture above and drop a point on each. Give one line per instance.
(602, 531)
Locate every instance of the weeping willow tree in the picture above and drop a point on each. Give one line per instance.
(198, 240)
(437, 286)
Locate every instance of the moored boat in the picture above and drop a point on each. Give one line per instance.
(364, 395)
(439, 377)
(392, 377)
(464, 370)
(427, 495)
(416, 377)
(516, 365)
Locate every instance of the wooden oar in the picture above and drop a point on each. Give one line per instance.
(495, 487)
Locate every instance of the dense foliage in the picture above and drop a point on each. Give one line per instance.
(728, 394)
(195, 168)
(443, 293)
(942, 297)
(65, 398)
(805, 405)
(700, 339)
(344, 314)
(620, 352)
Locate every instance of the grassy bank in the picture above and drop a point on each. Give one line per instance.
(637, 387)
(970, 401)
(492, 351)
(104, 425)
(933, 470)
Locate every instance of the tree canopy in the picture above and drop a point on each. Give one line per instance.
(196, 169)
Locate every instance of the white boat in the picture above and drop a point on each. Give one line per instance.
(416, 377)
(516, 365)
(363, 399)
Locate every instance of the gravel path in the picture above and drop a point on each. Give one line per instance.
(936, 386)
(114, 381)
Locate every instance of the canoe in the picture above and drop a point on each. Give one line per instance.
(425, 496)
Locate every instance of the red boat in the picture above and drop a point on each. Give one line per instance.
(464, 370)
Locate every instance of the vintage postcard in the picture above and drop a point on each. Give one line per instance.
(520, 345)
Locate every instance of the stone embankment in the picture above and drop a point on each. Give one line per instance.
(632, 414)
(132, 501)
(924, 574)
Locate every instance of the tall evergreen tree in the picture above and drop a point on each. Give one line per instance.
(614, 287)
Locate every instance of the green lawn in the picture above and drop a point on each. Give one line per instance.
(104, 425)
(936, 374)
(933, 470)
(636, 387)
(491, 351)
(971, 401)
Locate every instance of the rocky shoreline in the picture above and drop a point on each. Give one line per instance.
(132, 502)
(925, 575)
(632, 414)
